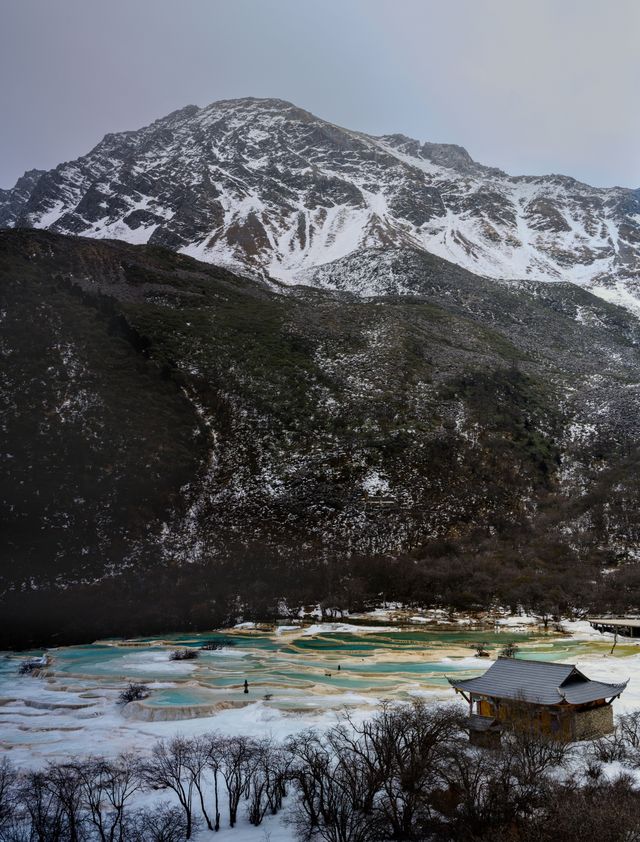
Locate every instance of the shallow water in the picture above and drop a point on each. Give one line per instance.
(289, 672)
(286, 666)
(72, 707)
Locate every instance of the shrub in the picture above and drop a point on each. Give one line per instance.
(29, 667)
(509, 651)
(133, 693)
(183, 655)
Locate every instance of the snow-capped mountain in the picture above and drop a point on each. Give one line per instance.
(264, 186)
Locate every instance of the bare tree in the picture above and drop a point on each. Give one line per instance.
(628, 726)
(42, 809)
(535, 754)
(183, 655)
(310, 766)
(164, 823)
(214, 763)
(268, 780)
(237, 756)
(603, 810)
(8, 794)
(331, 795)
(259, 783)
(168, 768)
(133, 693)
(375, 779)
(615, 641)
(64, 782)
(509, 650)
(279, 776)
(403, 748)
(107, 787)
(482, 797)
(196, 761)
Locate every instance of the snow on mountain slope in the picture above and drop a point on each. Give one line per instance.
(263, 186)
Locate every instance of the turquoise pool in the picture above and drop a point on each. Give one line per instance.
(284, 669)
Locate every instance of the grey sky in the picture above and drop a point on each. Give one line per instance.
(531, 86)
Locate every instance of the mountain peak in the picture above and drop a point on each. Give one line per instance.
(263, 186)
(255, 102)
(250, 105)
(180, 114)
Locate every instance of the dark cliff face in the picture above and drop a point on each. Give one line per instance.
(268, 188)
(180, 443)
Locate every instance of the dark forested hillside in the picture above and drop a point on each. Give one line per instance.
(180, 445)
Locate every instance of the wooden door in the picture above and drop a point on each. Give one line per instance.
(485, 708)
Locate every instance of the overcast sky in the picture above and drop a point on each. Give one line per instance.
(531, 86)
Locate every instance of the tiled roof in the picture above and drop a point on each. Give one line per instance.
(537, 682)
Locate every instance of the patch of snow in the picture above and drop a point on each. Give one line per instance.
(333, 628)
(618, 294)
(375, 483)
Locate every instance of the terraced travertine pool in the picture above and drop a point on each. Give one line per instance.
(288, 666)
(306, 671)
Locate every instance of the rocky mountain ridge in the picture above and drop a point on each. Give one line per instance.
(262, 186)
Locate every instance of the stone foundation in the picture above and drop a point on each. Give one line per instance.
(485, 739)
(594, 723)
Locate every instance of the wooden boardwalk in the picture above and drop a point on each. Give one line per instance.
(626, 626)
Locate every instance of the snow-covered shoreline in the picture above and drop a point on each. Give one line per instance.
(48, 719)
(53, 717)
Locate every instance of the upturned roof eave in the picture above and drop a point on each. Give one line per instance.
(613, 690)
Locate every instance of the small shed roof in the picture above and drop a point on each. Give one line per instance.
(483, 723)
(537, 682)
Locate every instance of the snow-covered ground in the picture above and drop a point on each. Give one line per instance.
(64, 716)
(600, 666)
(74, 708)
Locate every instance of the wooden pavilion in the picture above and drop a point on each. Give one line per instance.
(553, 699)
